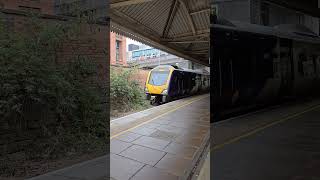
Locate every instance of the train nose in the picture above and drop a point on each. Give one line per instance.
(155, 89)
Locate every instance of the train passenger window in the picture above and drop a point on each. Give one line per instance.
(315, 64)
(193, 81)
(302, 58)
(308, 68)
(318, 65)
(158, 78)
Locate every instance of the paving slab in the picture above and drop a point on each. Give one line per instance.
(122, 168)
(181, 150)
(143, 131)
(143, 154)
(151, 142)
(150, 125)
(161, 121)
(128, 137)
(117, 146)
(174, 164)
(190, 140)
(151, 173)
(173, 129)
(165, 135)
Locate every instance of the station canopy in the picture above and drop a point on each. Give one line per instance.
(179, 27)
(310, 7)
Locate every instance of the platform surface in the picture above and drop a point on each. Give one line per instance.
(162, 143)
(280, 143)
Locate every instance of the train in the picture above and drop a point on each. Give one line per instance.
(256, 65)
(167, 82)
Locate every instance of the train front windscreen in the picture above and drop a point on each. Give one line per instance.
(158, 78)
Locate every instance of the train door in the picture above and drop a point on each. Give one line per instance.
(226, 76)
(184, 83)
(317, 67)
(193, 83)
(286, 66)
(198, 81)
(180, 83)
(174, 85)
(188, 82)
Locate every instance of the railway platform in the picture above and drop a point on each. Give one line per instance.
(281, 142)
(164, 142)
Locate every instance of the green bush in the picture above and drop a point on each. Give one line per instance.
(60, 98)
(125, 93)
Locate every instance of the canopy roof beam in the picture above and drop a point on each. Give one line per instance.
(188, 16)
(185, 42)
(200, 11)
(186, 38)
(127, 3)
(173, 11)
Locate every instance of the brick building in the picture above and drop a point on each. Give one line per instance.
(38, 6)
(118, 49)
(117, 42)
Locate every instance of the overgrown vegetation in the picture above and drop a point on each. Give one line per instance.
(125, 93)
(55, 105)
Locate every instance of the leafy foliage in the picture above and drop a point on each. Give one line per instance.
(125, 93)
(58, 98)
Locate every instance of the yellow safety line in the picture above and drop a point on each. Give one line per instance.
(161, 115)
(262, 128)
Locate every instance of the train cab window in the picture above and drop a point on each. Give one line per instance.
(158, 78)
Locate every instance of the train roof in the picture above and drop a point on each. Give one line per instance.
(195, 71)
(182, 69)
(288, 31)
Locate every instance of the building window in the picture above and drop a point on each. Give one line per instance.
(117, 50)
(119, 37)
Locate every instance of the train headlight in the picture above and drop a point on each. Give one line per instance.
(165, 92)
(146, 89)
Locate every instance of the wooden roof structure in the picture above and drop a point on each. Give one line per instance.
(179, 27)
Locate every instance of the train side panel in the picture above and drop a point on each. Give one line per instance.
(306, 68)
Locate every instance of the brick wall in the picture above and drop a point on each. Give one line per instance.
(92, 43)
(46, 7)
(123, 56)
(140, 76)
